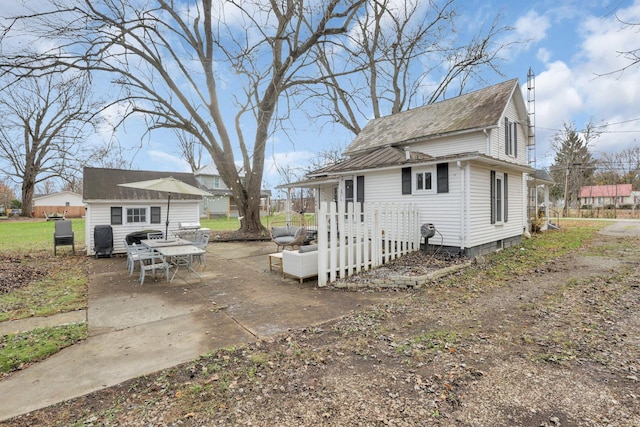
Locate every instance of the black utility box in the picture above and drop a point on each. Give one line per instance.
(103, 240)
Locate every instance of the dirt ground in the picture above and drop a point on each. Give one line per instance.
(558, 346)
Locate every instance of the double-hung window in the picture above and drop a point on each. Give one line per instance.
(510, 138)
(499, 198)
(136, 215)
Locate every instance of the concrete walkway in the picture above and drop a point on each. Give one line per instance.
(136, 330)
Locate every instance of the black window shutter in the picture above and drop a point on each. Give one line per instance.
(493, 197)
(116, 216)
(360, 193)
(360, 189)
(506, 199)
(506, 136)
(406, 180)
(443, 177)
(515, 140)
(155, 214)
(348, 190)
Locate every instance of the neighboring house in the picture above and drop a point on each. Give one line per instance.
(59, 203)
(462, 161)
(129, 210)
(219, 205)
(599, 196)
(223, 203)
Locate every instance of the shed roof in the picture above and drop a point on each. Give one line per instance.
(57, 194)
(102, 184)
(473, 111)
(619, 190)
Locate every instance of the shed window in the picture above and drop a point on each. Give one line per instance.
(136, 215)
(116, 216)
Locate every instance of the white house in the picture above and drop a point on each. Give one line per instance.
(462, 161)
(58, 203)
(129, 210)
(222, 203)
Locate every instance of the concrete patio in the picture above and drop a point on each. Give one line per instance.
(136, 330)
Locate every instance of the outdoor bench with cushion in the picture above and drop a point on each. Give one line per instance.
(303, 263)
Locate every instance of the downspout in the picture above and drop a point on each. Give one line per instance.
(463, 203)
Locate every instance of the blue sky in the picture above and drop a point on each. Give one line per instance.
(567, 43)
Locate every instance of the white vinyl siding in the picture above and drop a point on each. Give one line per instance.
(464, 220)
(99, 213)
(443, 210)
(482, 231)
(64, 198)
(471, 142)
(498, 137)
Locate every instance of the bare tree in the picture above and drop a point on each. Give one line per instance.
(402, 54)
(622, 167)
(44, 126)
(172, 60)
(190, 149)
(6, 194)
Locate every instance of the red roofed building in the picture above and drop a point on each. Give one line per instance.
(605, 195)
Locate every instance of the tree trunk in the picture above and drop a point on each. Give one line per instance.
(28, 187)
(249, 211)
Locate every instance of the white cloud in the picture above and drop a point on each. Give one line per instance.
(573, 90)
(532, 27)
(166, 161)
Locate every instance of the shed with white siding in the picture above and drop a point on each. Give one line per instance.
(129, 210)
(462, 161)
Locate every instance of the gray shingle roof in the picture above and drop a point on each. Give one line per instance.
(476, 110)
(386, 156)
(102, 184)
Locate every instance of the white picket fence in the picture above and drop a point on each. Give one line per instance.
(363, 237)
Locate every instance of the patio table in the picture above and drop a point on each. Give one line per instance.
(162, 243)
(179, 254)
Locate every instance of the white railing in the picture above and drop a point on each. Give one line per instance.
(363, 236)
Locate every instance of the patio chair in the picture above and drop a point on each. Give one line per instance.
(150, 261)
(201, 241)
(156, 235)
(288, 232)
(63, 236)
(132, 255)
